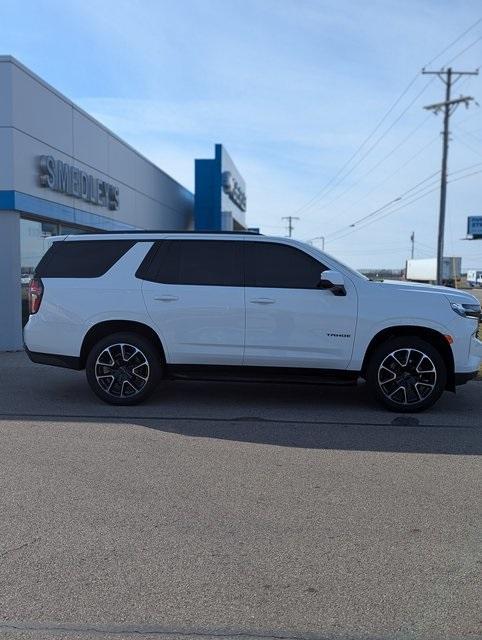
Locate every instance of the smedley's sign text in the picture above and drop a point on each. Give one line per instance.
(65, 178)
(233, 189)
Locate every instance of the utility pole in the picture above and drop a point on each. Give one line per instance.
(290, 224)
(412, 240)
(322, 238)
(447, 107)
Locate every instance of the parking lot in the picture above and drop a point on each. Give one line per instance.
(235, 510)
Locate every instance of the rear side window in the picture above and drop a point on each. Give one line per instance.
(280, 266)
(81, 259)
(194, 262)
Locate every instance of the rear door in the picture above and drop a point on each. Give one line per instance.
(194, 293)
(290, 322)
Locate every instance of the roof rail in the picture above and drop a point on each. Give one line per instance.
(144, 231)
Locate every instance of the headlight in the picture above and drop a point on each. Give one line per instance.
(466, 310)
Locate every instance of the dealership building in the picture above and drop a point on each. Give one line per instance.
(62, 171)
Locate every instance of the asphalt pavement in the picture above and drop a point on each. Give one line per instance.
(235, 511)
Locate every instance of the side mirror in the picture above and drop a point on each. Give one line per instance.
(334, 281)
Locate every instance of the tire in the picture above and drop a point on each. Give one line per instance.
(123, 368)
(407, 374)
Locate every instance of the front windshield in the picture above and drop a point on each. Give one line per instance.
(345, 267)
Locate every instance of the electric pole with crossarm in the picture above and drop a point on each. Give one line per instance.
(290, 224)
(449, 77)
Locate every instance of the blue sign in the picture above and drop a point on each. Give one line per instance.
(220, 194)
(474, 226)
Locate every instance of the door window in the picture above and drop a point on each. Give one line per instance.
(195, 262)
(280, 266)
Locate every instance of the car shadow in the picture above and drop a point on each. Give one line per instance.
(280, 415)
(284, 415)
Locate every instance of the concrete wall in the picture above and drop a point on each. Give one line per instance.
(10, 293)
(37, 120)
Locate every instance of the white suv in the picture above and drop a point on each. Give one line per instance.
(133, 308)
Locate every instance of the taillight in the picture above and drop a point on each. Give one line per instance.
(35, 293)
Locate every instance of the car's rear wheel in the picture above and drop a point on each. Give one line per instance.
(407, 374)
(123, 368)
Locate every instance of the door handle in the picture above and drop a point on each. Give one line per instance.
(166, 298)
(263, 301)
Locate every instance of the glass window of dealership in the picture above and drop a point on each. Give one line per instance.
(63, 172)
(34, 235)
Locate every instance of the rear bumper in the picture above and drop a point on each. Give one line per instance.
(54, 359)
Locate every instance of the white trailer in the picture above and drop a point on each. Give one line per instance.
(474, 277)
(425, 270)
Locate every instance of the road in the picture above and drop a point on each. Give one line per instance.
(246, 511)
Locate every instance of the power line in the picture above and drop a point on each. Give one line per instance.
(469, 134)
(322, 192)
(393, 124)
(471, 166)
(375, 166)
(375, 144)
(403, 206)
(449, 46)
(415, 198)
(395, 171)
(469, 175)
(468, 146)
(461, 52)
(400, 197)
(359, 148)
(424, 248)
(375, 251)
(423, 252)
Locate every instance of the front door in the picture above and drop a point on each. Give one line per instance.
(197, 300)
(290, 322)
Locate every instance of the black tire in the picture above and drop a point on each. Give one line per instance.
(123, 368)
(407, 374)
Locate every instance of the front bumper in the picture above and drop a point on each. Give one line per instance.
(469, 368)
(475, 353)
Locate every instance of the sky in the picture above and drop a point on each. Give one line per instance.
(319, 103)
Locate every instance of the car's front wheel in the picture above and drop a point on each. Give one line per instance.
(123, 368)
(407, 374)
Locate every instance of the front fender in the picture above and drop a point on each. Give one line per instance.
(367, 332)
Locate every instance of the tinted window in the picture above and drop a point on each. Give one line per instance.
(198, 262)
(280, 266)
(150, 265)
(84, 259)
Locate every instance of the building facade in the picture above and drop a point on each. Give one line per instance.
(220, 200)
(62, 171)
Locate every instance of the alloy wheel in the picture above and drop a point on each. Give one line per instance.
(122, 370)
(407, 376)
